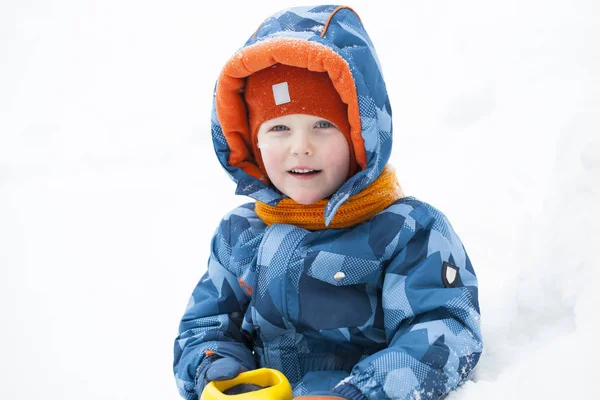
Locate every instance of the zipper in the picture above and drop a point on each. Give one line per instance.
(296, 232)
(257, 291)
(284, 309)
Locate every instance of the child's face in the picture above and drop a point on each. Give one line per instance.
(294, 143)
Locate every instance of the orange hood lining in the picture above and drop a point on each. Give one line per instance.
(231, 107)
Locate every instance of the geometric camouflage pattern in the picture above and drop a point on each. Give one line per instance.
(389, 306)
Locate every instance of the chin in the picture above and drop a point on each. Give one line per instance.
(306, 200)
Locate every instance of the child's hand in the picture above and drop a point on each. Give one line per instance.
(222, 369)
(321, 396)
(218, 370)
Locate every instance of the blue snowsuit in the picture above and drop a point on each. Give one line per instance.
(390, 305)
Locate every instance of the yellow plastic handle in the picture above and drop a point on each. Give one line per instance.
(276, 386)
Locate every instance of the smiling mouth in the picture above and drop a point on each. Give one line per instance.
(304, 172)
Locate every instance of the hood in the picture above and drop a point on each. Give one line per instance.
(328, 39)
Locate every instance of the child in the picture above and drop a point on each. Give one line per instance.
(331, 276)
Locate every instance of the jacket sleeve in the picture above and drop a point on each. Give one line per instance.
(431, 317)
(210, 327)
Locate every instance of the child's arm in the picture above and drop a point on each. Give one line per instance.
(210, 327)
(431, 317)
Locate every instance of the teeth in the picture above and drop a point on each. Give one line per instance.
(302, 171)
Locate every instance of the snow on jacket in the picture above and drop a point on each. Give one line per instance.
(388, 306)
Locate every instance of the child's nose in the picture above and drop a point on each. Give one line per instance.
(301, 144)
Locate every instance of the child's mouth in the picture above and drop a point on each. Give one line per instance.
(304, 173)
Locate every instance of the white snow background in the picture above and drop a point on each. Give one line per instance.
(110, 189)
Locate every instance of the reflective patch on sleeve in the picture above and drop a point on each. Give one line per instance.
(449, 274)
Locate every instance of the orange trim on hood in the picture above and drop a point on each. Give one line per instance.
(332, 14)
(231, 107)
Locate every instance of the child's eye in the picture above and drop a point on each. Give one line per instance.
(279, 128)
(324, 125)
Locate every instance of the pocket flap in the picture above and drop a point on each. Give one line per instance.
(341, 270)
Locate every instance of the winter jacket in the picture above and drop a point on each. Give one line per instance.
(386, 309)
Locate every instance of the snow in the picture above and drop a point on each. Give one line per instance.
(110, 189)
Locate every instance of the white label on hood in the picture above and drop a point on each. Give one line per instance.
(281, 94)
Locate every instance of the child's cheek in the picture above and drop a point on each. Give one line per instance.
(335, 156)
(271, 158)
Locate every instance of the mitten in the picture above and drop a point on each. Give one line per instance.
(349, 391)
(217, 370)
(322, 395)
(220, 370)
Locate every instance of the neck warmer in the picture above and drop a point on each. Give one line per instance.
(375, 198)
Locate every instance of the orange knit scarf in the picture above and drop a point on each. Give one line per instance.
(374, 198)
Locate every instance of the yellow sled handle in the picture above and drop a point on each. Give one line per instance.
(276, 386)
